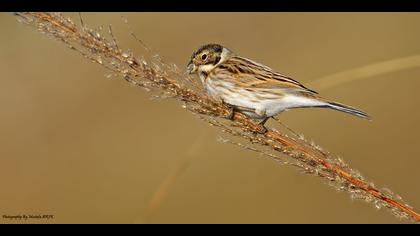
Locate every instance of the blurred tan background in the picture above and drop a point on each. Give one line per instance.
(88, 149)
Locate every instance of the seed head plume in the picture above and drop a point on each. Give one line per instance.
(167, 81)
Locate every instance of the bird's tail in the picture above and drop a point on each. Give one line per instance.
(347, 109)
(312, 100)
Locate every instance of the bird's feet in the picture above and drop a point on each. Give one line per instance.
(232, 110)
(231, 113)
(261, 128)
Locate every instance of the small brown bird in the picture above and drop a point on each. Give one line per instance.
(253, 89)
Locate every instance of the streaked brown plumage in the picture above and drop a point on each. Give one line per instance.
(252, 88)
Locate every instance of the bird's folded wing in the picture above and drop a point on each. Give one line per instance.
(247, 73)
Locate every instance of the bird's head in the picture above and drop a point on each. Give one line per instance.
(206, 58)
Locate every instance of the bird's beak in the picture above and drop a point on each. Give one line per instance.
(191, 68)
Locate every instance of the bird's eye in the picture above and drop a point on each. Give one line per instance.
(203, 57)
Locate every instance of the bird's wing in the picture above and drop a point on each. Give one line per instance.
(252, 74)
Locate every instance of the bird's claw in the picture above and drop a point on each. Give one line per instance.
(261, 128)
(231, 113)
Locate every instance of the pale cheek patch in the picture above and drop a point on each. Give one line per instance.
(206, 68)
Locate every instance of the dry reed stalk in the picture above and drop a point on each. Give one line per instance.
(366, 71)
(153, 74)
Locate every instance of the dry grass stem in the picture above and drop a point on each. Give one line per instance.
(366, 71)
(166, 80)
